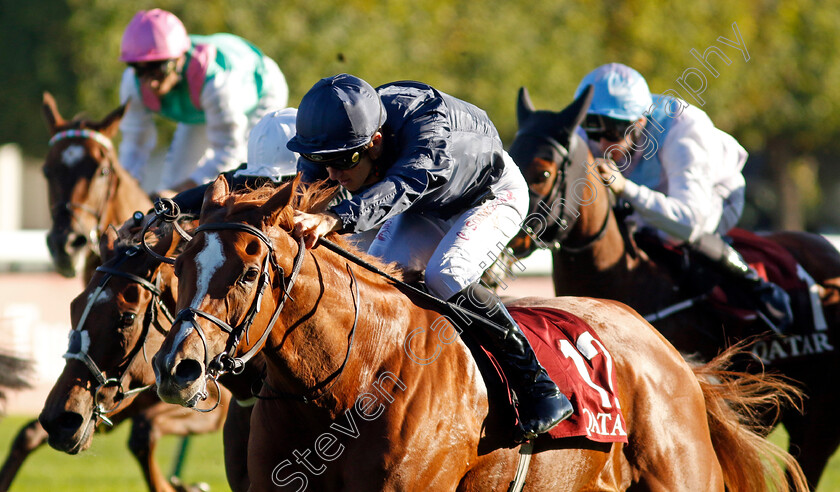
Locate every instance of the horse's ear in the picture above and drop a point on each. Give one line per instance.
(214, 195)
(524, 106)
(108, 240)
(51, 113)
(111, 123)
(280, 200)
(573, 114)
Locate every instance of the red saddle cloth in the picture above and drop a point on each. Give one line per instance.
(581, 366)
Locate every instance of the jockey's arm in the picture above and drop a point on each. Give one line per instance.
(312, 227)
(688, 207)
(137, 126)
(227, 126)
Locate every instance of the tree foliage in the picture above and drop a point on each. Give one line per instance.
(481, 51)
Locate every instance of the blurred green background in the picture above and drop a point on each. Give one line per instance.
(781, 103)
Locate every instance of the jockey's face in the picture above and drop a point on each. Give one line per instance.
(616, 147)
(362, 174)
(159, 77)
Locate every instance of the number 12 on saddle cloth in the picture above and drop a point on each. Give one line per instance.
(582, 368)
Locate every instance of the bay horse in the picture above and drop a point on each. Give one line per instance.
(593, 255)
(333, 335)
(88, 189)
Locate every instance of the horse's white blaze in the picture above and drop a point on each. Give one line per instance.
(105, 295)
(207, 262)
(72, 155)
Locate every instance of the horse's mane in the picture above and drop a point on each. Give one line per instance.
(130, 235)
(305, 197)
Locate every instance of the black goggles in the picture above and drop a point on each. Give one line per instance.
(339, 160)
(597, 127)
(153, 70)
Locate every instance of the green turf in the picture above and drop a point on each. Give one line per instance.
(108, 466)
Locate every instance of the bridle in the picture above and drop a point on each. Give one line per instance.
(80, 340)
(556, 231)
(97, 213)
(226, 361)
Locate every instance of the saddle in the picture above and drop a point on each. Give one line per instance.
(576, 360)
(772, 262)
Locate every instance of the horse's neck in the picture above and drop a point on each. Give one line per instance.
(605, 262)
(317, 326)
(128, 197)
(611, 267)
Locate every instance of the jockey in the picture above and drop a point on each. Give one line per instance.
(215, 87)
(268, 159)
(430, 171)
(681, 175)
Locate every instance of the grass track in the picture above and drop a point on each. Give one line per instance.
(108, 466)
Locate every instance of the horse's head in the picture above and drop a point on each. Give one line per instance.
(117, 321)
(81, 179)
(545, 148)
(234, 276)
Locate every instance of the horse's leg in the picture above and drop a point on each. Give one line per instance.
(236, 430)
(142, 441)
(30, 437)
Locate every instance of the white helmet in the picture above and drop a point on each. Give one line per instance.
(267, 152)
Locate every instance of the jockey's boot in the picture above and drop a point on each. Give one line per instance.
(770, 300)
(541, 405)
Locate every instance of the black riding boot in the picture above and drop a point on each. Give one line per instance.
(771, 301)
(541, 405)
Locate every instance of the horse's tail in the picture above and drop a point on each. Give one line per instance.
(736, 403)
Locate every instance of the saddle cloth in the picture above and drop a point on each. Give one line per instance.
(580, 365)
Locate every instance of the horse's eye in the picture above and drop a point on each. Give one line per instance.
(250, 275)
(127, 319)
(546, 174)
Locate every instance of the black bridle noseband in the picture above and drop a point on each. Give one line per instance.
(80, 340)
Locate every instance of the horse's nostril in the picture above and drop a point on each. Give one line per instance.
(68, 422)
(188, 370)
(79, 241)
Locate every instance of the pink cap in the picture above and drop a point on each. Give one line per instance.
(154, 35)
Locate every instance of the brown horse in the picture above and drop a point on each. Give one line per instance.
(88, 188)
(597, 257)
(340, 382)
(117, 320)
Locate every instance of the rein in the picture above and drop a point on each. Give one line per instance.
(97, 214)
(80, 340)
(440, 303)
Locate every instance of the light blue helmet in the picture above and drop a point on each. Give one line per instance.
(618, 92)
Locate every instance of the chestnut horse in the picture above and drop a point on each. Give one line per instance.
(88, 188)
(597, 257)
(333, 334)
(118, 320)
